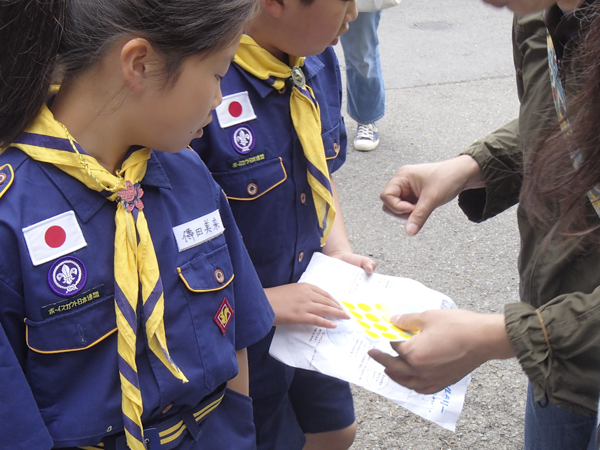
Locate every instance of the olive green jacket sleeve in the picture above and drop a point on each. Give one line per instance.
(500, 154)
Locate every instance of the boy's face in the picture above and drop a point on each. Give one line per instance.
(313, 27)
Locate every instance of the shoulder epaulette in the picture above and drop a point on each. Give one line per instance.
(7, 175)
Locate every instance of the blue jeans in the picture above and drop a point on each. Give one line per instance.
(554, 428)
(364, 79)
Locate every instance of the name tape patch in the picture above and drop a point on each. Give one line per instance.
(199, 230)
(72, 303)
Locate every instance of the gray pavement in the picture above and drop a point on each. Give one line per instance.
(449, 80)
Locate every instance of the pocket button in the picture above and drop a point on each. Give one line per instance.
(252, 189)
(219, 276)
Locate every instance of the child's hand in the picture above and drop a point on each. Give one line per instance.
(364, 262)
(303, 303)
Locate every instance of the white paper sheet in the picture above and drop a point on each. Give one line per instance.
(342, 352)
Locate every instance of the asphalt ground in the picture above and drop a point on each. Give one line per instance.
(449, 80)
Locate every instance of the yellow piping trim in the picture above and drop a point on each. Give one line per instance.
(272, 187)
(12, 177)
(213, 404)
(336, 153)
(182, 427)
(171, 430)
(203, 290)
(64, 351)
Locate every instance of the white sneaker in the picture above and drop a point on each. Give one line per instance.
(367, 137)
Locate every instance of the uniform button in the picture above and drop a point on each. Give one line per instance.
(336, 147)
(219, 276)
(303, 198)
(300, 256)
(283, 90)
(2, 178)
(167, 408)
(252, 189)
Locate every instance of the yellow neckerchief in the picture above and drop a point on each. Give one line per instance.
(306, 117)
(135, 259)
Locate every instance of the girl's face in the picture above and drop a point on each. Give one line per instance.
(175, 115)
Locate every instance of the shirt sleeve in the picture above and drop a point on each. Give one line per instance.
(254, 316)
(21, 424)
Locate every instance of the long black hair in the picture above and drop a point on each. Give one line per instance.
(42, 38)
(554, 190)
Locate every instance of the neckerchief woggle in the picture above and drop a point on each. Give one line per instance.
(560, 104)
(135, 259)
(306, 117)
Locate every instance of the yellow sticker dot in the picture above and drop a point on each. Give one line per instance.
(390, 335)
(380, 327)
(387, 318)
(348, 305)
(373, 335)
(383, 308)
(363, 324)
(365, 307)
(357, 315)
(372, 317)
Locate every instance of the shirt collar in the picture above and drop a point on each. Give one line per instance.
(310, 68)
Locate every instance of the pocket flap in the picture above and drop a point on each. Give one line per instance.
(208, 271)
(74, 330)
(251, 182)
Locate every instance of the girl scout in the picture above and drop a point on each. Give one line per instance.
(127, 297)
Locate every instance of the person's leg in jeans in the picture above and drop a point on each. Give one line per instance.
(554, 428)
(364, 79)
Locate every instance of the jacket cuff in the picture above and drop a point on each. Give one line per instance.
(526, 334)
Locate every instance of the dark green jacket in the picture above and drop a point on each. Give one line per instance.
(559, 284)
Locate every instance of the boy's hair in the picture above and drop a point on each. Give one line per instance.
(40, 36)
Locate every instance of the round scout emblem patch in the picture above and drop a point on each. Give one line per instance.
(242, 139)
(67, 276)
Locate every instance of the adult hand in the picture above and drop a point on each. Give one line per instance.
(450, 344)
(364, 262)
(416, 190)
(303, 303)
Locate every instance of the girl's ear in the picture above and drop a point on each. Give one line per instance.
(137, 57)
(274, 7)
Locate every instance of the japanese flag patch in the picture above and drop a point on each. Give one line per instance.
(235, 109)
(223, 316)
(53, 238)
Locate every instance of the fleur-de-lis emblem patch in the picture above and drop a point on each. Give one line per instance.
(67, 276)
(131, 195)
(223, 316)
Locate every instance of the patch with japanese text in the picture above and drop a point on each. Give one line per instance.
(245, 162)
(198, 231)
(72, 303)
(223, 316)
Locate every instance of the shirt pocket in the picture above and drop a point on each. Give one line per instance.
(208, 288)
(263, 205)
(333, 145)
(73, 345)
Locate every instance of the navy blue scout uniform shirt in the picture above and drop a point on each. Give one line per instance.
(264, 176)
(58, 371)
